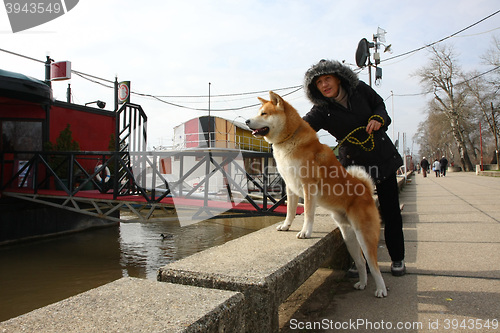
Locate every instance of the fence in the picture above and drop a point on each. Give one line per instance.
(140, 174)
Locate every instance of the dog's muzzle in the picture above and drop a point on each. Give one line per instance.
(257, 131)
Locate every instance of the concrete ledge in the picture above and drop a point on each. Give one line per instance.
(402, 180)
(137, 305)
(266, 266)
(488, 173)
(454, 169)
(486, 167)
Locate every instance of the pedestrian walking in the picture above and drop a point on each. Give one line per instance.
(444, 165)
(436, 167)
(424, 164)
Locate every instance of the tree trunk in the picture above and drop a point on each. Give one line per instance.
(495, 134)
(462, 148)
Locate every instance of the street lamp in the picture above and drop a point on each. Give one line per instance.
(100, 104)
(363, 54)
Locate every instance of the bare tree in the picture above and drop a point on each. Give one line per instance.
(440, 76)
(434, 135)
(491, 86)
(492, 56)
(484, 96)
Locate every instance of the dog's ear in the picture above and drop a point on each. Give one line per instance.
(263, 101)
(277, 101)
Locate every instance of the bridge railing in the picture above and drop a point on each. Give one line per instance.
(143, 174)
(70, 172)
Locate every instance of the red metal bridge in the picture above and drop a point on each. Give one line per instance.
(102, 192)
(132, 178)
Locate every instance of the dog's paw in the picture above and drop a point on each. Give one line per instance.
(359, 286)
(303, 234)
(283, 227)
(381, 293)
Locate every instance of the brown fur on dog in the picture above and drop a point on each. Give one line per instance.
(311, 170)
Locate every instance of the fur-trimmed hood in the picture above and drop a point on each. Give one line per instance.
(349, 80)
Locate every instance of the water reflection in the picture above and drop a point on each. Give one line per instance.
(35, 274)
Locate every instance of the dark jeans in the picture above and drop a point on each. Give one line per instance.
(390, 211)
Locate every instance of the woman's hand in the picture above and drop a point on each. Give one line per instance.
(372, 126)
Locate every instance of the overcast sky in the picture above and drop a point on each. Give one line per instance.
(175, 48)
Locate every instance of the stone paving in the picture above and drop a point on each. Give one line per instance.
(452, 236)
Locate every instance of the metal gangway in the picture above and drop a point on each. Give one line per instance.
(101, 183)
(113, 184)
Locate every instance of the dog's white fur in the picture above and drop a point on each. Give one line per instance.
(296, 149)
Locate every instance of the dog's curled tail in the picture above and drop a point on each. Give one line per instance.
(360, 173)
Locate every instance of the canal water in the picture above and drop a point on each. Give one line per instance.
(42, 272)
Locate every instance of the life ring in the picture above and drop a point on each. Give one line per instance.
(107, 174)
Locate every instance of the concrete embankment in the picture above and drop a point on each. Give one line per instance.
(255, 273)
(137, 305)
(235, 287)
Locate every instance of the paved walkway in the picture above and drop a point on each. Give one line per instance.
(452, 233)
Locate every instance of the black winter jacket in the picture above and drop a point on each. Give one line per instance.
(363, 102)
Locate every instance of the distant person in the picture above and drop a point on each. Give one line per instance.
(444, 164)
(436, 167)
(425, 166)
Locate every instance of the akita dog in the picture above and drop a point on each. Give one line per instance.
(311, 171)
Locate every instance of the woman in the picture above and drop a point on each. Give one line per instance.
(342, 104)
(436, 167)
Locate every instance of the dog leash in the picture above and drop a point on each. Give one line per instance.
(355, 141)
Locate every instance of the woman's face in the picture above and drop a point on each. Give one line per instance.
(328, 85)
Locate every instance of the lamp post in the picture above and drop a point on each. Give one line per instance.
(99, 103)
(363, 54)
(392, 97)
(481, 145)
(47, 71)
(209, 134)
